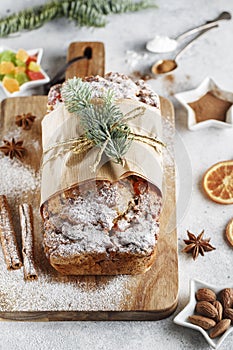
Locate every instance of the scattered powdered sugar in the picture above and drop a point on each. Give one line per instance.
(133, 58)
(168, 139)
(61, 294)
(16, 178)
(169, 166)
(16, 133)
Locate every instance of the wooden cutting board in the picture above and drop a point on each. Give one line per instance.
(150, 296)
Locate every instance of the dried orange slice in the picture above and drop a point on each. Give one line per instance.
(229, 232)
(218, 182)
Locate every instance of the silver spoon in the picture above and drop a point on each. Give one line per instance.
(166, 44)
(169, 65)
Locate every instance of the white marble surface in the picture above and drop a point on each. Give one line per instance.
(211, 56)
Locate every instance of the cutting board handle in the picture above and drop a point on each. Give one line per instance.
(93, 65)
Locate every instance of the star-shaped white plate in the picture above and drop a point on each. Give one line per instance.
(182, 318)
(189, 96)
(32, 83)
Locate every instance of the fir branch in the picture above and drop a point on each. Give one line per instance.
(102, 122)
(121, 6)
(83, 12)
(119, 143)
(30, 18)
(76, 95)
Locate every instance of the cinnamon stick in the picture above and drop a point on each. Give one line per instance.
(27, 232)
(8, 236)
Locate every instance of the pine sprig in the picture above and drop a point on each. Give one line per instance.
(102, 122)
(30, 18)
(121, 6)
(76, 95)
(83, 12)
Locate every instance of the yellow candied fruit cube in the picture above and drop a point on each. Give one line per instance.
(34, 67)
(7, 67)
(19, 70)
(22, 55)
(10, 84)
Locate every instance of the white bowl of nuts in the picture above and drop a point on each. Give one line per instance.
(210, 311)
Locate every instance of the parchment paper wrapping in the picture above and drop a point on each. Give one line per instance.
(63, 169)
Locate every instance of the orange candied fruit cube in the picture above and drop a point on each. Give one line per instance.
(7, 67)
(22, 55)
(10, 84)
(19, 69)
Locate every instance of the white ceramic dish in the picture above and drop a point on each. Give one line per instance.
(182, 318)
(189, 96)
(29, 84)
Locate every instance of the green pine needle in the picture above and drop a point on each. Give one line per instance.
(30, 18)
(83, 12)
(76, 94)
(102, 122)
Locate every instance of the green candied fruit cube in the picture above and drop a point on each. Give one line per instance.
(21, 78)
(8, 56)
(10, 75)
(20, 63)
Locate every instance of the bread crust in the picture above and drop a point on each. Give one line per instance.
(113, 263)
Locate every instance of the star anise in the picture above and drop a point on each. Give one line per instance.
(197, 245)
(13, 148)
(25, 120)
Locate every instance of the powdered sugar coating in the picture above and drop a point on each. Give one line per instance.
(127, 222)
(120, 84)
